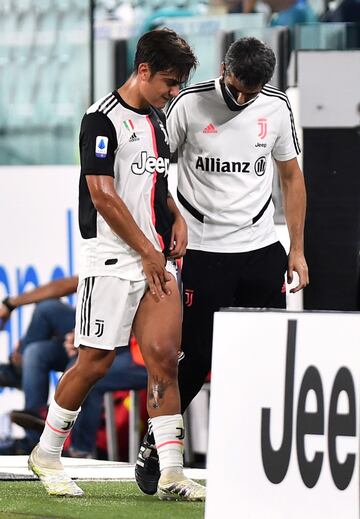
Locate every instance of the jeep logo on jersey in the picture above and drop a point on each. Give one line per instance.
(150, 165)
(262, 127)
(216, 165)
(260, 166)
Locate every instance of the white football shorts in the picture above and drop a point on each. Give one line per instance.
(105, 310)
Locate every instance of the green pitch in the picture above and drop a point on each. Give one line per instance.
(103, 500)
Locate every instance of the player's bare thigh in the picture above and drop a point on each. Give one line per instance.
(157, 325)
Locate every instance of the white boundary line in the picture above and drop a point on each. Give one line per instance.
(84, 469)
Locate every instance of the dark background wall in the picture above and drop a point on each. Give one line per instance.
(332, 233)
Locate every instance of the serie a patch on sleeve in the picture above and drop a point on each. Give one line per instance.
(101, 146)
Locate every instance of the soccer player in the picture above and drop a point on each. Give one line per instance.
(129, 226)
(227, 132)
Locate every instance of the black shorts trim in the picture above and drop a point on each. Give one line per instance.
(86, 306)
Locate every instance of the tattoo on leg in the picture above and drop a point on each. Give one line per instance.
(157, 392)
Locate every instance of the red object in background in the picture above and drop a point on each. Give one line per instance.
(135, 352)
(121, 415)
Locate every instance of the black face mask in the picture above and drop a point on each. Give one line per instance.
(243, 105)
(231, 95)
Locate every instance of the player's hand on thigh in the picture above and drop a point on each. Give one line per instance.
(156, 274)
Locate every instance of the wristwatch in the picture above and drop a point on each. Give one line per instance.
(9, 306)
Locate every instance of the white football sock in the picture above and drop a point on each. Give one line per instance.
(58, 425)
(169, 440)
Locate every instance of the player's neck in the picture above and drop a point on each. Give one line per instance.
(131, 94)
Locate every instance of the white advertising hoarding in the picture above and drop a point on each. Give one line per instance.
(284, 424)
(38, 210)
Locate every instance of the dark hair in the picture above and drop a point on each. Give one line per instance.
(251, 61)
(163, 49)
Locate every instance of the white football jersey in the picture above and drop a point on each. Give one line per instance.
(225, 167)
(132, 146)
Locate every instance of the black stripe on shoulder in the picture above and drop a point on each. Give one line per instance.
(275, 92)
(205, 87)
(267, 86)
(110, 107)
(104, 107)
(198, 87)
(200, 84)
(104, 102)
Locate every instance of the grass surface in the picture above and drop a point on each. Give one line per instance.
(102, 500)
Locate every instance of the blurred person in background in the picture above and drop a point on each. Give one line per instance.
(40, 327)
(347, 11)
(129, 226)
(289, 13)
(48, 345)
(227, 132)
(40, 350)
(240, 6)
